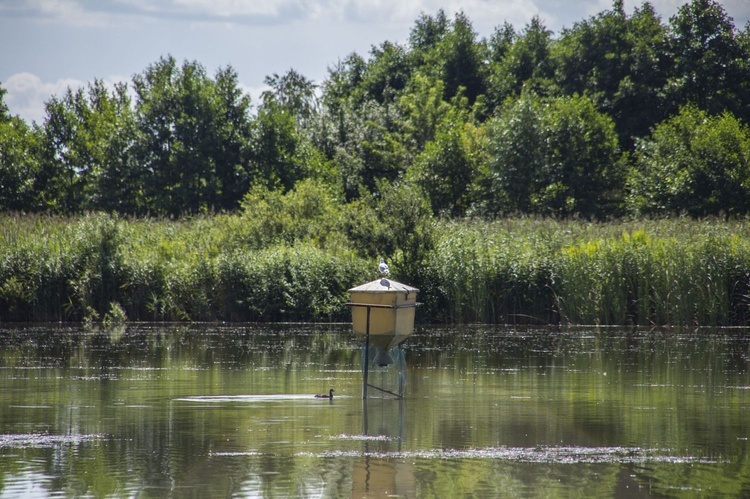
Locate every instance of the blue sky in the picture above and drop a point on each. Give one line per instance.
(50, 45)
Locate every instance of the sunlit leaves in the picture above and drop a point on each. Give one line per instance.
(694, 163)
(551, 157)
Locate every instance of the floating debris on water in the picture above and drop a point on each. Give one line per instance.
(214, 399)
(548, 455)
(29, 440)
(376, 438)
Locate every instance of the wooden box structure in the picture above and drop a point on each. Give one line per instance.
(382, 317)
(390, 307)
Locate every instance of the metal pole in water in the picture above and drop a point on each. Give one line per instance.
(367, 355)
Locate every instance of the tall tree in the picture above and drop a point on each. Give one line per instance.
(182, 119)
(581, 169)
(694, 163)
(513, 171)
(294, 94)
(19, 165)
(527, 63)
(557, 156)
(86, 134)
(616, 61)
(709, 63)
(387, 73)
(447, 167)
(231, 147)
(462, 65)
(449, 51)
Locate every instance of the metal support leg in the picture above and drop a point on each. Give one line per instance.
(367, 355)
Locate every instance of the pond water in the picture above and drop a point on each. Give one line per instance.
(228, 410)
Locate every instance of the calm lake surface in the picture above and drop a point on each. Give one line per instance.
(228, 411)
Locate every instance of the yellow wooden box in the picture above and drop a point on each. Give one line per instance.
(392, 306)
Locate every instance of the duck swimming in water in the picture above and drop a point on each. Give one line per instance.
(324, 396)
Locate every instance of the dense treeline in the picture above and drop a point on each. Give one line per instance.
(620, 114)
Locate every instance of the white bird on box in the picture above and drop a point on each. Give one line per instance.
(383, 267)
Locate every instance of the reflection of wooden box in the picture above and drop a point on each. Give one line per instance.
(392, 306)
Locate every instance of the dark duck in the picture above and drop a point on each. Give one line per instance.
(328, 395)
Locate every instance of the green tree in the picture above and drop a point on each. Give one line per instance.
(616, 61)
(526, 63)
(387, 72)
(294, 94)
(182, 119)
(426, 34)
(277, 148)
(462, 64)
(513, 171)
(448, 165)
(581, 169)
(395, 225)
(231, 145)
(448, 51)
(19, 165)
(86, 136)
(423, 108)
(694, 163)
(311, 212)
(709, 64)
(558, 156)
(112, 127)
(370, 147)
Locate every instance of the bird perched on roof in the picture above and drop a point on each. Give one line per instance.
(383, 267)
(324, 396)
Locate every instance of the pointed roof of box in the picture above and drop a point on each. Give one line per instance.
(383, 286)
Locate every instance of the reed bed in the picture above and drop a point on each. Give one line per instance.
(646, 272)
(80, 269)
(522, 270)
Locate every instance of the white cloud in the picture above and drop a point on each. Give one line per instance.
(228, 8)
(482, 13)
(68, 12)
(27, 94)
(401, 12)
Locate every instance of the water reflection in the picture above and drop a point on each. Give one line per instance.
(208, 410)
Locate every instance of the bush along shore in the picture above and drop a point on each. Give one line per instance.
(523, 270)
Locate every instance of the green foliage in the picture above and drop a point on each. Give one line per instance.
(525, 64)
(618, 61)
(311, 212)
(668, 272)
(19, 166)
(710, 68)
(512, 174)
(489, 273)
(396, 225)
(684, 274)
(678, 272)
(555, 157)
(187, 154)
(86, 145)
(286, 283)
(695, 163)
(580, 169)
(178, 142)
(447, 167)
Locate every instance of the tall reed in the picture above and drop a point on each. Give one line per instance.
(641, 272)
(644, 272)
